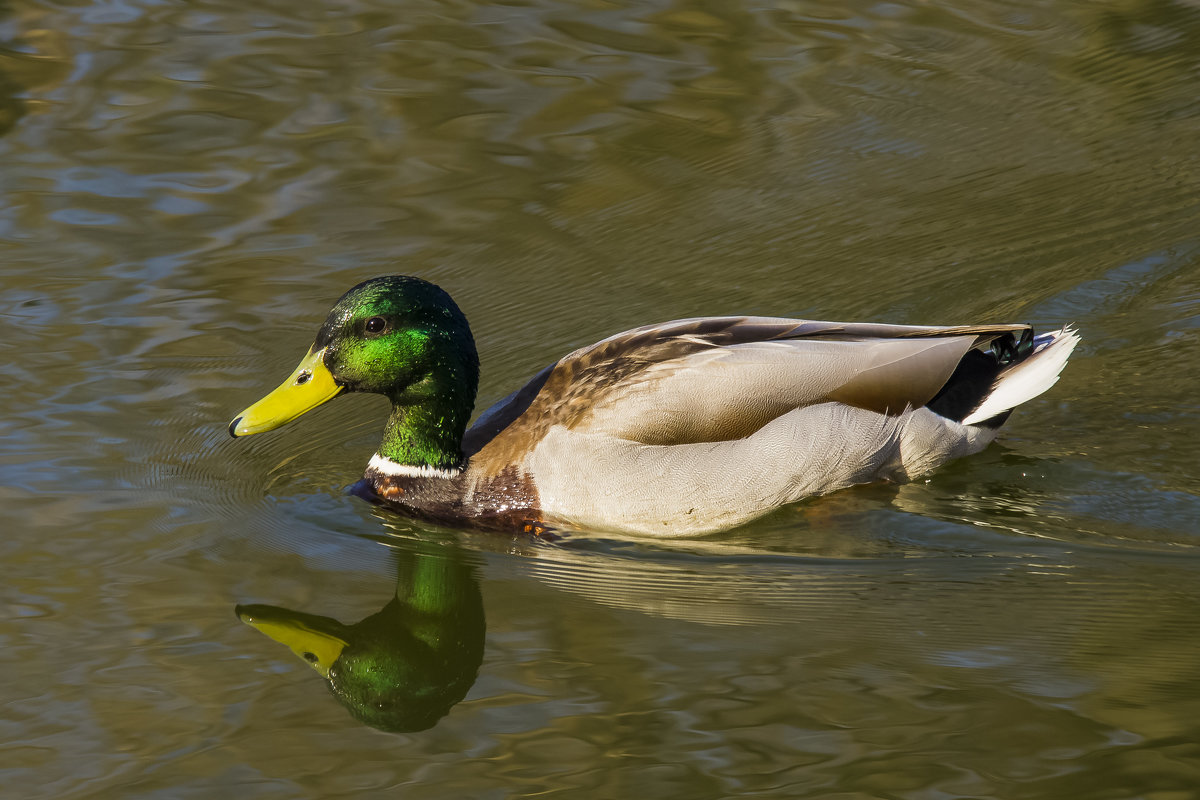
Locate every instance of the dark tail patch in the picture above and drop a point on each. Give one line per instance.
(974, 377)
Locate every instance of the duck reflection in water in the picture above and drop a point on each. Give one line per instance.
(404, 667)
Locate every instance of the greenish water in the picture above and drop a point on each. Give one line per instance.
(188, 186)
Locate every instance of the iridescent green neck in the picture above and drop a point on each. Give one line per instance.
(427, 422)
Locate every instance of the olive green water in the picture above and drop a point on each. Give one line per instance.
(187, 187)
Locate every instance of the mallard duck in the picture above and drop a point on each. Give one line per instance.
(681, 428)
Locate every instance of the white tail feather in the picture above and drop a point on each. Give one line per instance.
(1031, 377)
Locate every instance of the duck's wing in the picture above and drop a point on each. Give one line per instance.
(722, 378)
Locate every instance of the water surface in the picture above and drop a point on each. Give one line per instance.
(188, 187)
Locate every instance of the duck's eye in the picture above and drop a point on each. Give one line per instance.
(376, 325)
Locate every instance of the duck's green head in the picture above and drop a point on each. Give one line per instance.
(398, 336)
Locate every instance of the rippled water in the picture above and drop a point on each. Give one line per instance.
(187, 187)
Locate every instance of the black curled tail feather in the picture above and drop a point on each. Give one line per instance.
(987, 384)
(976, 375)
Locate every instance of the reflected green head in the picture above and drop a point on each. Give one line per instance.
(394, 681)
(383, 670)
(399, 336)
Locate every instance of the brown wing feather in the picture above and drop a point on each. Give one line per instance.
(720, 378)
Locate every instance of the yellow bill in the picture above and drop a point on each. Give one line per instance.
(308, 387)
(300, 632)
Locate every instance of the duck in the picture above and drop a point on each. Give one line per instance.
(681, 428)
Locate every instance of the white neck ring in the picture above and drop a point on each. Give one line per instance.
(385, 466)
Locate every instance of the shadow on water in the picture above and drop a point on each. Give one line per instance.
(404, 667)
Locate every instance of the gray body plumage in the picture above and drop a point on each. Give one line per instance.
(699, 425)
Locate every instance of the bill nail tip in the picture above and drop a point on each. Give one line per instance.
(233, 427)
